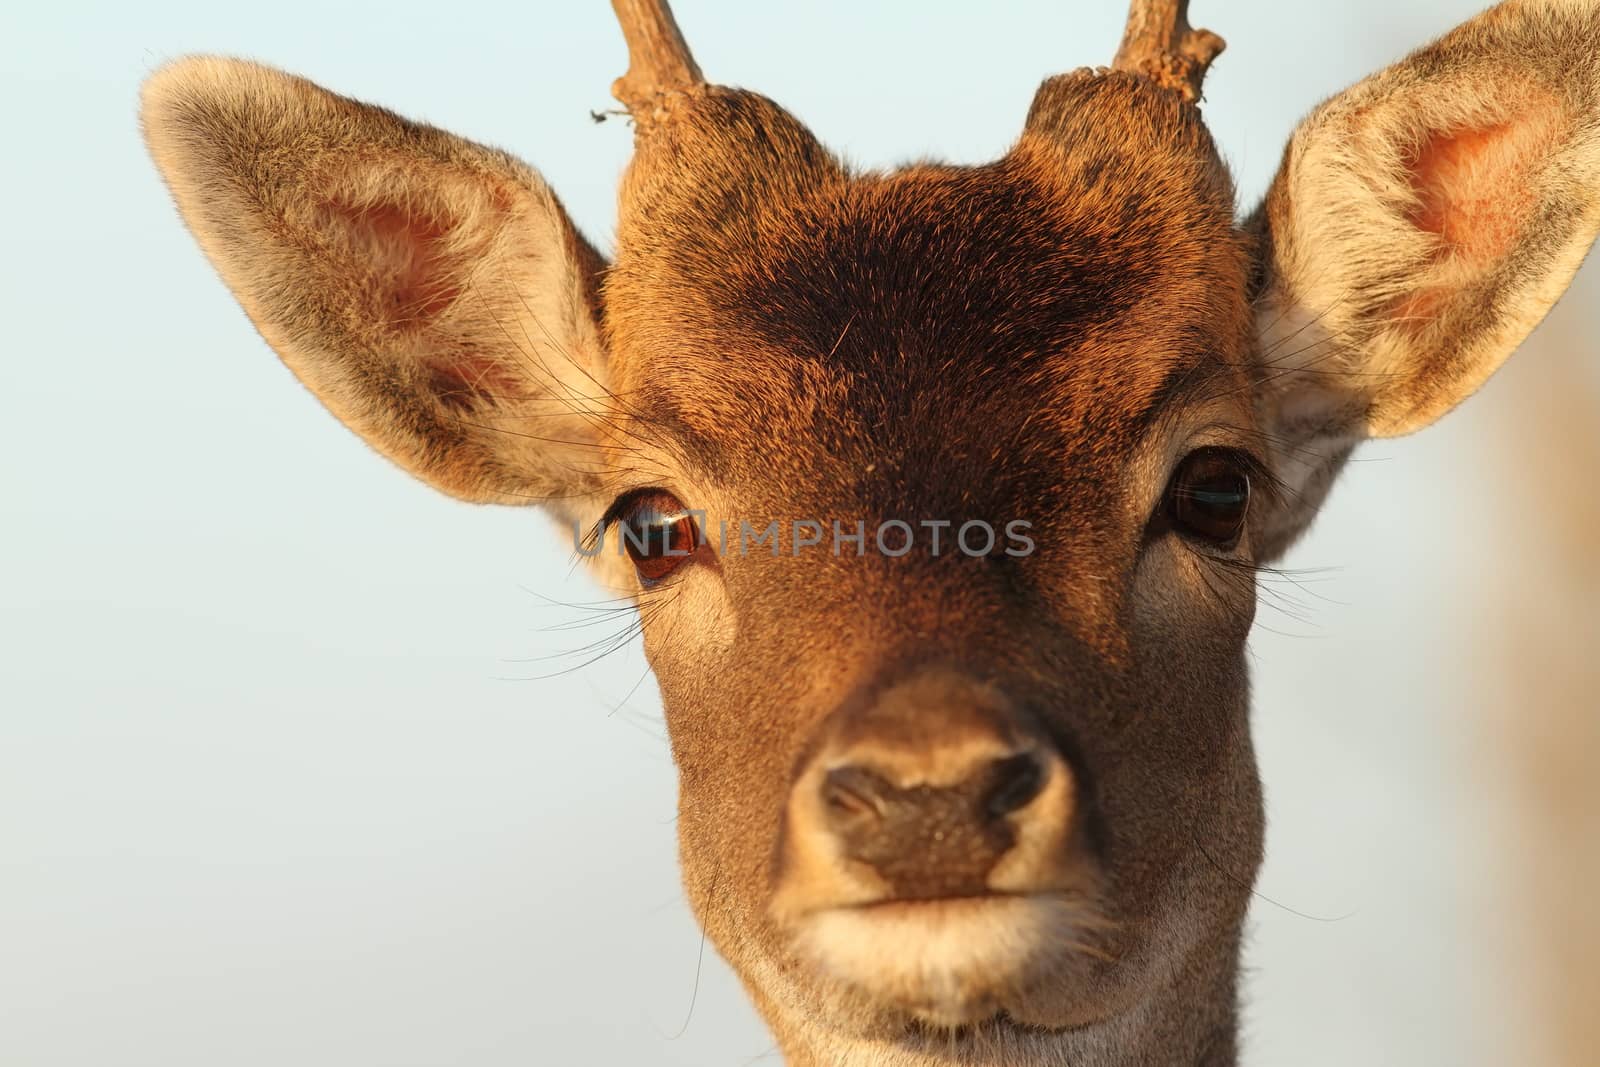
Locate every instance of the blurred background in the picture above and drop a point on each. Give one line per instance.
(278, 783)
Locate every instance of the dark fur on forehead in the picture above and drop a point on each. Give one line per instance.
(771, 298)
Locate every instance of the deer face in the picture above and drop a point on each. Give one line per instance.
(892, 745)
(943, 489)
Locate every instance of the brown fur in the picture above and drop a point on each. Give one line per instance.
(1042, 338)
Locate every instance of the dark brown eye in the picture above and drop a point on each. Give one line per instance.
(1209, 495)
(658, 532)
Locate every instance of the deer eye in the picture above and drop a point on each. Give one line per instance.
(658, 532)
(1209, 495)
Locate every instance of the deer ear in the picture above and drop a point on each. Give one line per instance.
(431, 292)
(1421, 225)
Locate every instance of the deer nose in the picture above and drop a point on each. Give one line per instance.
(933, 840)
(862, 804)
(936, 788)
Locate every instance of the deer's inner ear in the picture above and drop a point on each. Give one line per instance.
(1472, 185)
(403, 249)
(402, 246)
(407, 258)
(1476, 193)
(430, 291)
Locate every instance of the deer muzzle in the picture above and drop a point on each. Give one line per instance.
(931, 847)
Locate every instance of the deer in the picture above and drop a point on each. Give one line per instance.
(996, 806)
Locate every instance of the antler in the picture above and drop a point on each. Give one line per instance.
(1160, 44)
(658, 59)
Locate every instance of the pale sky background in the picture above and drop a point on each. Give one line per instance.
(272, 788)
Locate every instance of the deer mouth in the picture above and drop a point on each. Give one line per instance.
(956, 962)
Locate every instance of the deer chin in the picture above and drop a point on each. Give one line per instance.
(961, 962)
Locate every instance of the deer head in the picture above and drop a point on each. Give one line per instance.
(941, 491)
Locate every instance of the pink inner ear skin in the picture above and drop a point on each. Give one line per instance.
(1475, 187)
(1476, 191)
(407, 257)
(408, 263)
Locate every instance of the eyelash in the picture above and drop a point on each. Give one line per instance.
(1263, 487)
(624, 503)
(668, 540)
(1262, 478)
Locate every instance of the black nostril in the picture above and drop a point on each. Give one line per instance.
(1013, 783)
(853, 794)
